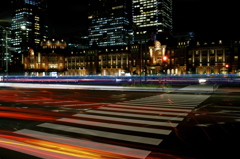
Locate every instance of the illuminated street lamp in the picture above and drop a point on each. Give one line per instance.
(164, 65)
(227, 68)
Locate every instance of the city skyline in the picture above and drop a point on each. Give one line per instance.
(206, 18)
(108, 19)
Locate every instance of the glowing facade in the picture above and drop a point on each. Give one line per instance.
(215, 57)
(50, 61)
(153, 15)
(28, 24)
(109, 22)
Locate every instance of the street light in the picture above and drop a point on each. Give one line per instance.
(6, 47)
(227, 68)
(164, 64)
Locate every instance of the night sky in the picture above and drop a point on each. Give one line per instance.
(208, 18)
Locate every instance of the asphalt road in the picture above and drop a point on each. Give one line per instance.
(155, 124)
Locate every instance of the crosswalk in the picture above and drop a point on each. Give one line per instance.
(120, 130)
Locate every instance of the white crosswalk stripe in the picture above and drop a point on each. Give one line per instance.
(145, 121)
(145, 111)
(118, 136)
(149, 108)
(136, 115)
(117, 126)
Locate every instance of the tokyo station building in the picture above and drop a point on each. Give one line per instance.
(183, 57)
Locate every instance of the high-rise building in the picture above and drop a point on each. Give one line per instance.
(109, 22)
(5, 56)
(115, 22)
(152, 16)
(28, 24)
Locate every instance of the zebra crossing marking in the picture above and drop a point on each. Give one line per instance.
(162, 102)
(126, 151)
(98, 133)
(150, 108)
(186, 106)
(136, 115)
(168, 101)
(145, 122)
(171, 107)
(146, 111)
(117, 126)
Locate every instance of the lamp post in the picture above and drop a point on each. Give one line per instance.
(227, 68)
(164, 62)
(6, 50)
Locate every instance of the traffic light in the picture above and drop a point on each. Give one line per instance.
(227, 65)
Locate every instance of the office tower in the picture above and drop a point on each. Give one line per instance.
(28, 24)
(5, 56)
(152, 16)
(109, 22)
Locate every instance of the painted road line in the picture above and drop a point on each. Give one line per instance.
(150, 108)
(135, 115)
(104, 134)
(158, 102)
(160, 105)
(117, 126)
(166, 101)
(145, 111)
(130, 152)
(144, 122)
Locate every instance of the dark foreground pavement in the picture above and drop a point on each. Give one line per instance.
(211, 130)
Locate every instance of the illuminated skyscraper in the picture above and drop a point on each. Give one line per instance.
(109, 22)
(152, 16)
(5, 56)
(112, 21)
(28, 24)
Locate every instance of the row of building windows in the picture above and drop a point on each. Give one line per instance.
(118, 60)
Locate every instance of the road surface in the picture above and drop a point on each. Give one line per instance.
(190, 122)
